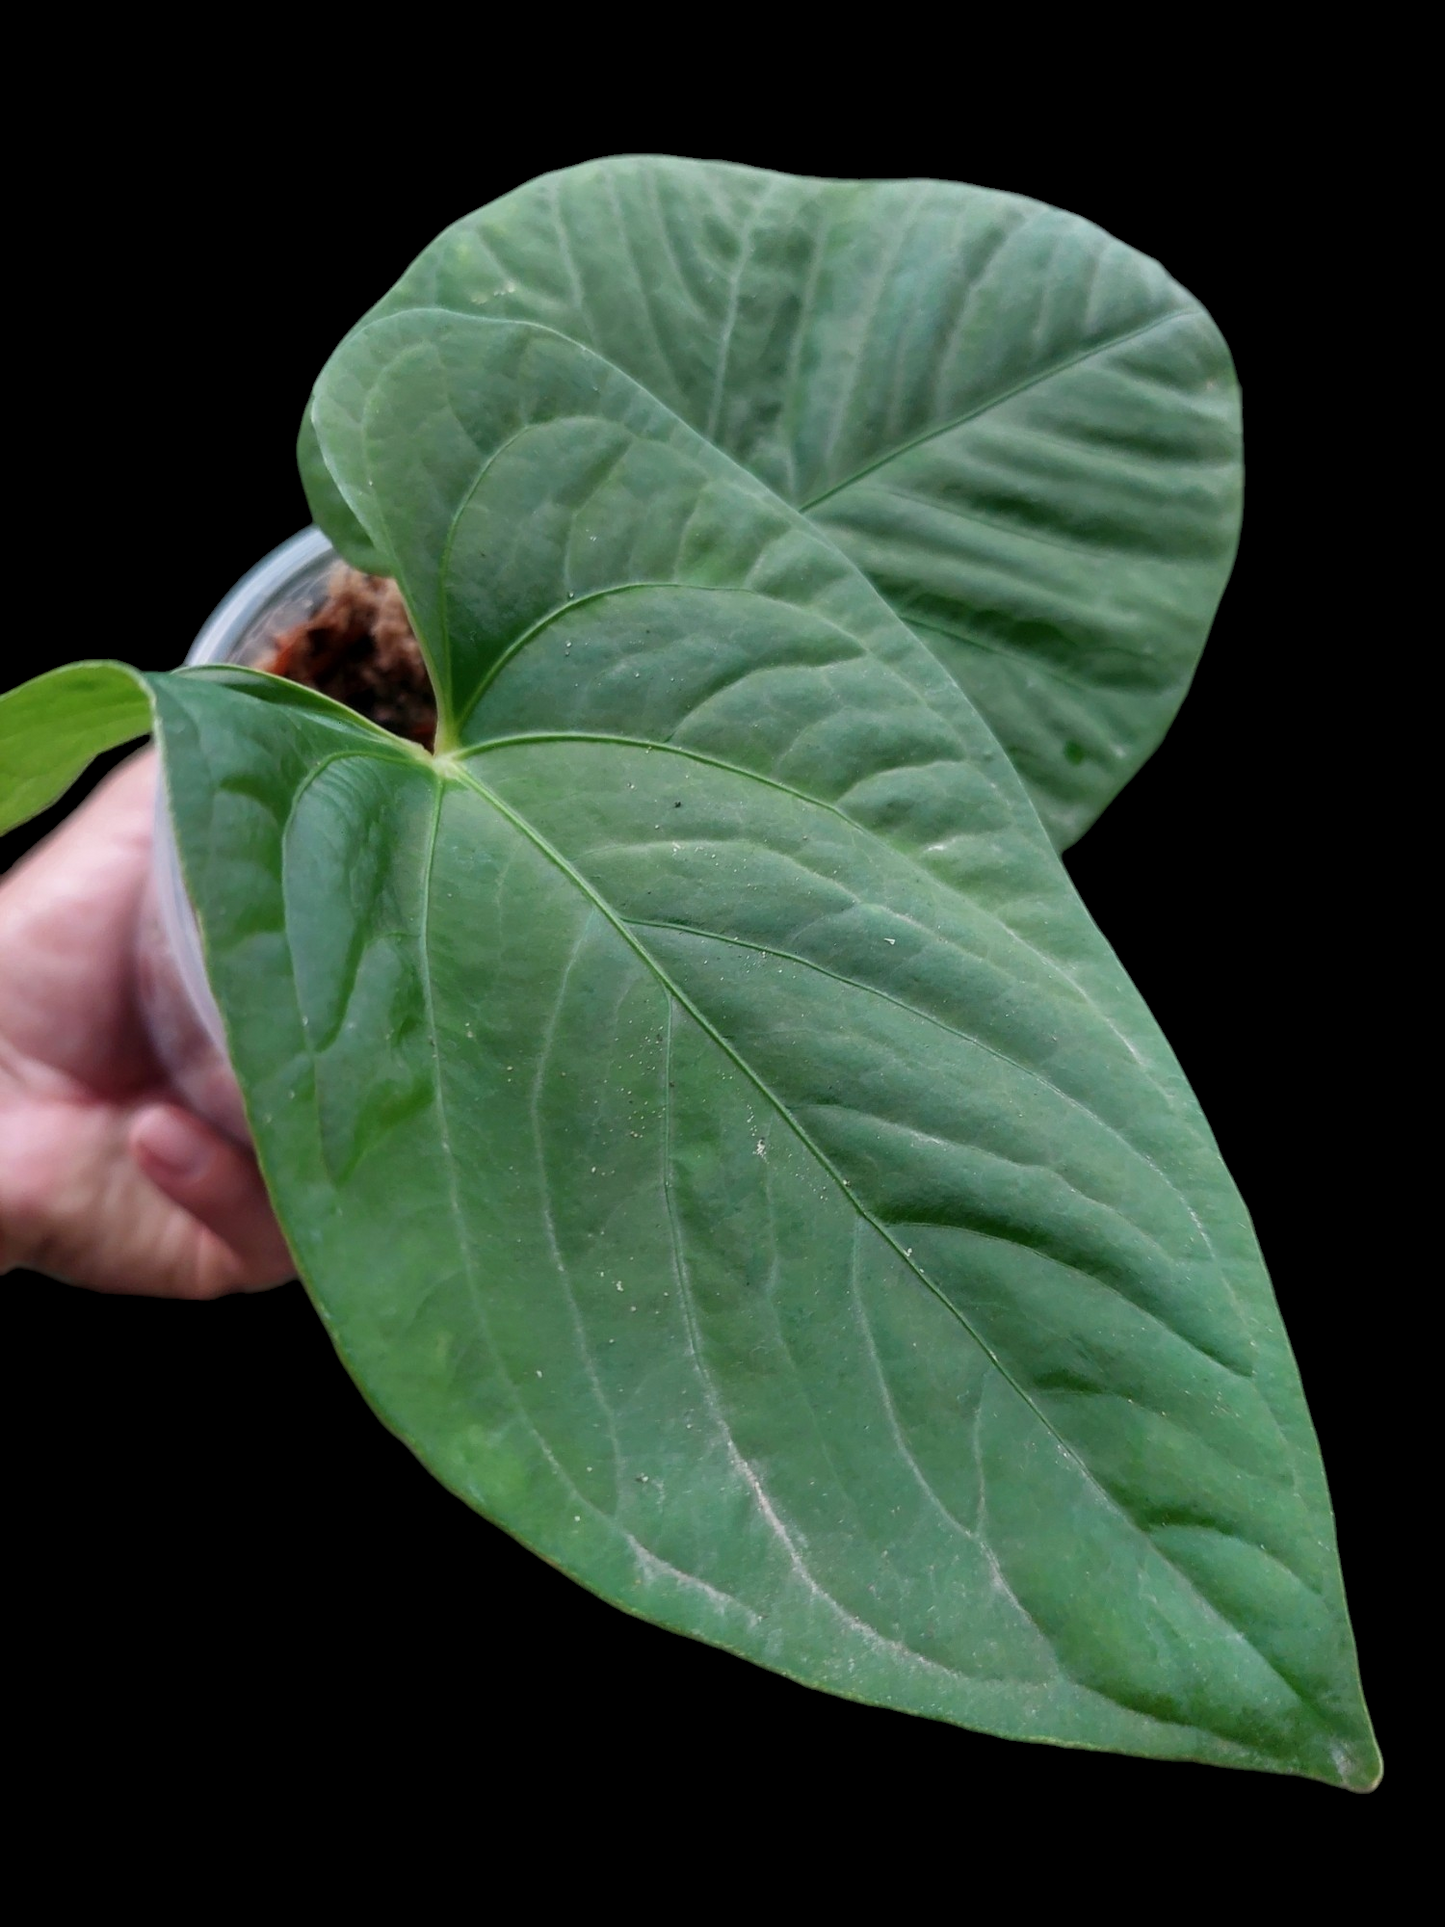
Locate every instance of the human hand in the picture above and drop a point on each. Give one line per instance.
(105, 1179)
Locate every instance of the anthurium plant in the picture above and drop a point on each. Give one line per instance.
(708, 1122)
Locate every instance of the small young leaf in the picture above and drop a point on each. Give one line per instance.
(51, 727)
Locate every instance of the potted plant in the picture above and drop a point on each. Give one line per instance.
(823, 1253)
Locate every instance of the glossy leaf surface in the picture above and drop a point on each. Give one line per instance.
(1023, 431)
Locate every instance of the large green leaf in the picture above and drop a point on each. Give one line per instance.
(1024, 432)
(712, 1129)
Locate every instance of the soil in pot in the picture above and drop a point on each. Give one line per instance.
(359, 649)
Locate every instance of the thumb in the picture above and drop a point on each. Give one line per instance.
(218, 1183)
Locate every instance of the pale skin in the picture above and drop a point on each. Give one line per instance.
(106, 1180)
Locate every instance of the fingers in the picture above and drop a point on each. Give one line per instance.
(101, 1195)
(219, 1186)
(67, 935)
(92, 1188)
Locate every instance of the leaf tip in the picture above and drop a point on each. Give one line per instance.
(1358, 1767)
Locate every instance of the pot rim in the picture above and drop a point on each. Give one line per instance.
(222, 638)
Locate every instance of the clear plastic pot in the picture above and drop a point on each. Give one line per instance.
(180, 1012)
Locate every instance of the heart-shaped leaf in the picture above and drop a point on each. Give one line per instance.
(1025, 433)
(713, 1131)
(708, 1122)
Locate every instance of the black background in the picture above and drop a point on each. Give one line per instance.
(215, 1540)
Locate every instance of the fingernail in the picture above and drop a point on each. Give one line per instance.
(176, 1141)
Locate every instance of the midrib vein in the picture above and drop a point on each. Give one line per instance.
(551, 854)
